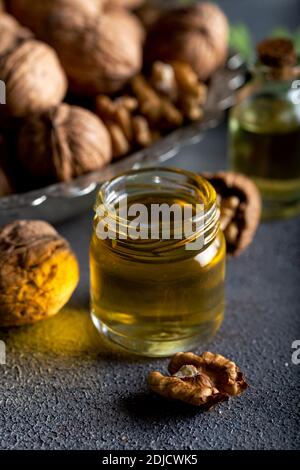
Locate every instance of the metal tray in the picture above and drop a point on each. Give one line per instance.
(63, 201)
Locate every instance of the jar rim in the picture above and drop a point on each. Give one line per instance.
(153, 179)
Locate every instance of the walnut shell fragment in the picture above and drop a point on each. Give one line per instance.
(241, 206)
(38, 272)
(204, 380)
(63, 143)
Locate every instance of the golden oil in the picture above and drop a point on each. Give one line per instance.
(264, 128)
(153, 296)
(265, 144)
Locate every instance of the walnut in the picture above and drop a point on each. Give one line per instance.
(181, 85)
(100, 51)
(197, 35)
(63, 143)
(203, 380)
(34, 78)
(126, 130)
(148, 13)
(240, 203)
(126, 3)
(33, 15)
(11, 34)
(38, 272)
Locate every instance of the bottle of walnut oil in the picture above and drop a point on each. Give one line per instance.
(264, 128)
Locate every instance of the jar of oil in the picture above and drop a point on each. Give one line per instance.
(264, 129)
(157, 295)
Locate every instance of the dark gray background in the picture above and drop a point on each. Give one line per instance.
(64, 388)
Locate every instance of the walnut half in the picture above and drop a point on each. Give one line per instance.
(203, 380)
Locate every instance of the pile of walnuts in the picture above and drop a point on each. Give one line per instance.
(67, 63)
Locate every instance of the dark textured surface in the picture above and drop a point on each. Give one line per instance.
(62, 388)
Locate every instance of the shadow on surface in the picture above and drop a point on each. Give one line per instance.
(149, 407)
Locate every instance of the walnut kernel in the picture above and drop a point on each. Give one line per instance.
(203, 380)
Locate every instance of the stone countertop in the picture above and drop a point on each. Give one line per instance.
(63, 387)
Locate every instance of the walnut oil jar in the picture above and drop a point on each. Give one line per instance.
(157, 288)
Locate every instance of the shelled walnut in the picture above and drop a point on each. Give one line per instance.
(240, 204)
(63, 143)
(179, 82)
(126, 129)
(203, 380)
(38, 272)
(160, 103)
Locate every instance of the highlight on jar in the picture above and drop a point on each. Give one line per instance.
(157, 261)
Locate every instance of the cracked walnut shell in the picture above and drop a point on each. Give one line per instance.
(63, 143)
(203, 380)
(38, 272)
(240, 205)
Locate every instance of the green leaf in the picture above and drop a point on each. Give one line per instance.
(240, 39)
(296, 38)
(281, 32)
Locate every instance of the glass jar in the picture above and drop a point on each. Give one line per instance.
(162, 292)
(264, 136)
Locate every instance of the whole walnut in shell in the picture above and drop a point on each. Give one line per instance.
(38, 272)
(34, 15)
(63, 143)
(100, 51)
(126, 3)
(11, 33)
(197, 35)
(34, 78)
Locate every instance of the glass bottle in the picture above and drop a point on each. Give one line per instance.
(264, 129)
(158, 295)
